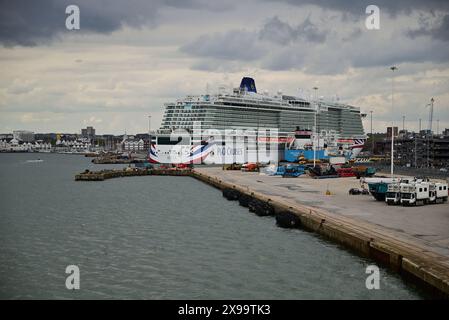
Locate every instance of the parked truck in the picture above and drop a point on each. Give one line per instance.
(393, 195)
(415, 193)
(441, 192)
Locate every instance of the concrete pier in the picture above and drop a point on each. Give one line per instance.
(109, 174)
(413, 241)
(111, 160)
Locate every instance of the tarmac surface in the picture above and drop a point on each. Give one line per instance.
(427, 226)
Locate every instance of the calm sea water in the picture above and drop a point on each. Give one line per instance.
(158, 238)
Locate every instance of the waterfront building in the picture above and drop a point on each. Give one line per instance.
(133, 145)
(15, 145)
(23, 135)
(88, 133)
(81, 145)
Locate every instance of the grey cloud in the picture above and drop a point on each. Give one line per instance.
(440, 32)
(232, 45)
(29, 23)
(286, 59)
(358, 7)
(357, 32)
(248, 46)
(216, 65)
(283, 33)
(278, 31)
(311, 32)
(302, 47)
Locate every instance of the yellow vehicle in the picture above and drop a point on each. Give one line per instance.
(233, 166)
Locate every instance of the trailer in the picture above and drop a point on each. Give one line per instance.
(345, 172)
(378, 186)
(378, 190)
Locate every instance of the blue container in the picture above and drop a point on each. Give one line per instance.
(293, 155)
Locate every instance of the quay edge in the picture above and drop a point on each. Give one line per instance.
(418, 265)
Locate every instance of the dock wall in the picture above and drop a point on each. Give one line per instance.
(423, 267)
(110, 174)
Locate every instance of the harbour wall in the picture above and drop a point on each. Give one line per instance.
(422, 267)
(110, 174)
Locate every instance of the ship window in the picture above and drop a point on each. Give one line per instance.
(420, 189)
(168, 140)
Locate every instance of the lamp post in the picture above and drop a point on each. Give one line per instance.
(393, 68)
(429, 134)
(149, 132)
(372, 137)
(431, 114)
(416, 153)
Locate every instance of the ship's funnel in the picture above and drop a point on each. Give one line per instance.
(248, 85)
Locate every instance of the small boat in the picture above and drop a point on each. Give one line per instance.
(34, 161)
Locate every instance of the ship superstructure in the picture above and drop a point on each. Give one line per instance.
(244, 112)
(245, 108)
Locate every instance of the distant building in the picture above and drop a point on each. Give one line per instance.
(88, 133)
(146, 139)
(133, 145)
(422, 151)
(417, 149)
(46, 137)
(23, 135)
(389, 132)
(446, 132)
(76, 145)
(6, 136)
(15, 145)
(109, 141)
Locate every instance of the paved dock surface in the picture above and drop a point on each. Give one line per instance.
(426, 227)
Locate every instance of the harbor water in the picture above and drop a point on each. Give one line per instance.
(155, 237)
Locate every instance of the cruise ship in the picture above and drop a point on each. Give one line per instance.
(246, 126)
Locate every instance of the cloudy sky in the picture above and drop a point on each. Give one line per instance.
(129, 57)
